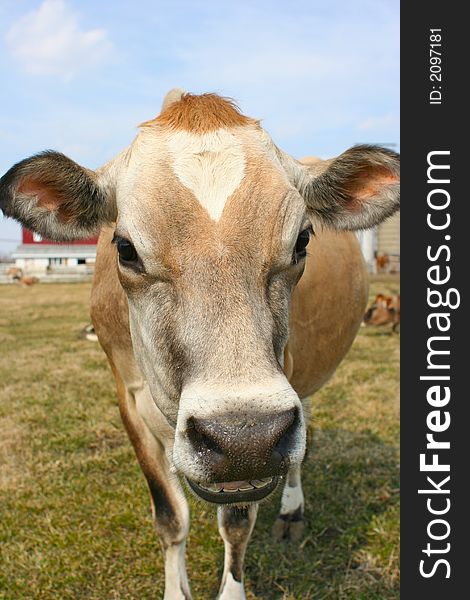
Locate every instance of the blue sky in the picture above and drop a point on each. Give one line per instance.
(78, 76)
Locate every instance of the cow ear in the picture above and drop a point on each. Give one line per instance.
(357, 190)
(54, 196)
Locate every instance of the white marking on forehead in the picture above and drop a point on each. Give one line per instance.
(211, 165)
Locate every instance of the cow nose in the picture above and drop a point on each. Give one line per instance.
(234, 448)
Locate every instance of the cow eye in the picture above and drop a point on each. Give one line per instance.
(300, 251)
(127, 252)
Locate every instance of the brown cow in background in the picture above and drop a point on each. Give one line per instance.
(28, 280)
(384, 310)
(16, 274)
(382, 262)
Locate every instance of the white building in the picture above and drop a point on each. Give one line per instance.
(383, 240)
(37, 256)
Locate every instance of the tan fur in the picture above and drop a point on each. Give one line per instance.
(109, 310)
(326, 310)
(200, 114)
(327, 306)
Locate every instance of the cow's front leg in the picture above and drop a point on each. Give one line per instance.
(169, 506)
(171, 516)
(290, 522)
(235, 526)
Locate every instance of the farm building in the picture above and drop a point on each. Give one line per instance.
(40, 257)
(382, 242)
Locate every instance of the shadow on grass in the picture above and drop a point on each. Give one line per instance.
(349, 479)
(380, 330)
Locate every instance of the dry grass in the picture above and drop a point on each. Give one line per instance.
(74, 511)
(15, 454)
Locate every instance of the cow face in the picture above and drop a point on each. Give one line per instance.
(212, 226)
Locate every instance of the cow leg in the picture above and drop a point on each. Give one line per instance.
(169, 505)
(171, 516)
(290, 522)
(235, 526)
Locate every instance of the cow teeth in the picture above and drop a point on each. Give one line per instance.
(259, 483)
(213, 487)
(246, 487)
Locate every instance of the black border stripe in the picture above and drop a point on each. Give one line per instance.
(427, 128)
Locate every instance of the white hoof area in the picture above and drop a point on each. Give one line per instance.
(176, 595)
(232, 589)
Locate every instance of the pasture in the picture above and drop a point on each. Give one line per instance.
(75, 516)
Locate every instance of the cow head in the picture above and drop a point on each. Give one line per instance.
(212, 222)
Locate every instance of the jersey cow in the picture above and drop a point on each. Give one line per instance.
(215, 322)
(384, 310)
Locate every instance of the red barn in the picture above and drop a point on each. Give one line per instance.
(40, 256)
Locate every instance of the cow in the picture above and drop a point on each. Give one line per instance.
(28, 280)
(228, 287)
(382, 262)
(14, 273)
(384, 310)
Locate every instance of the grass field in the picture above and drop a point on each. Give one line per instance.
(74, 508)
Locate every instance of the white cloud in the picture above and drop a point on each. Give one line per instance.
(49, 41)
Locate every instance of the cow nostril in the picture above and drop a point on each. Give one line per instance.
(287, 438)
(200, 439)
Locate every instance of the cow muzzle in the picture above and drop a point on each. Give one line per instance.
(235, 458)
